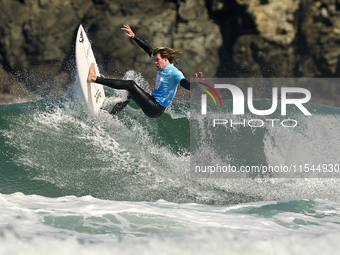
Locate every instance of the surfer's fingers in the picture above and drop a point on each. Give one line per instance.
(126, 27)
(199, 75)
(129, 31)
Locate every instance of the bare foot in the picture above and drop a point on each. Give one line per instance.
(92, 74)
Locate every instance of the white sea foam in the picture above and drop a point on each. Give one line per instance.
(31, 224)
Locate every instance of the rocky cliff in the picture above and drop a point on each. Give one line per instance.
(224, 38)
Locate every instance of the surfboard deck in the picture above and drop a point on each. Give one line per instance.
(92, 93)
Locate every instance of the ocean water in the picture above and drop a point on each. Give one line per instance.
(74, 183)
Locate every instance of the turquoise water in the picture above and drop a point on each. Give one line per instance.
(73, 183)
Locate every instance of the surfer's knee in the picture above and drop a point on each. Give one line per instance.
(154, 113)
(132, 85)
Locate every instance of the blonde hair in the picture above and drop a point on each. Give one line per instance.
(170, 54)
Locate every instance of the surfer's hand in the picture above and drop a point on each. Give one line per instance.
(129, 31)
(199, 77)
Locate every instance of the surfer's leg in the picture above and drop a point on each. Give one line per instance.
(143, 99)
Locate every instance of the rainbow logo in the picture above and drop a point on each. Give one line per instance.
(209, 93)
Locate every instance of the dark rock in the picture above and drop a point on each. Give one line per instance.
(36, 38)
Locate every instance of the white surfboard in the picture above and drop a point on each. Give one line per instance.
(93, 93)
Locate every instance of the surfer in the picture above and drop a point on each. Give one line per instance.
(167, 80)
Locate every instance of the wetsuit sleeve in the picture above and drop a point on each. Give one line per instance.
(145, 46)
(186, 84)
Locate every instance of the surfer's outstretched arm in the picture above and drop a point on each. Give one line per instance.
(144, 45)
(187, 85)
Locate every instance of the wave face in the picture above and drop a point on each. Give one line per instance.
(53, 148)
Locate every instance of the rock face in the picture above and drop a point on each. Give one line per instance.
(224, 38)
(274, 38)
(36, 41)
(161, 23)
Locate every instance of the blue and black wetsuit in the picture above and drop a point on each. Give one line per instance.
(165, 89)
